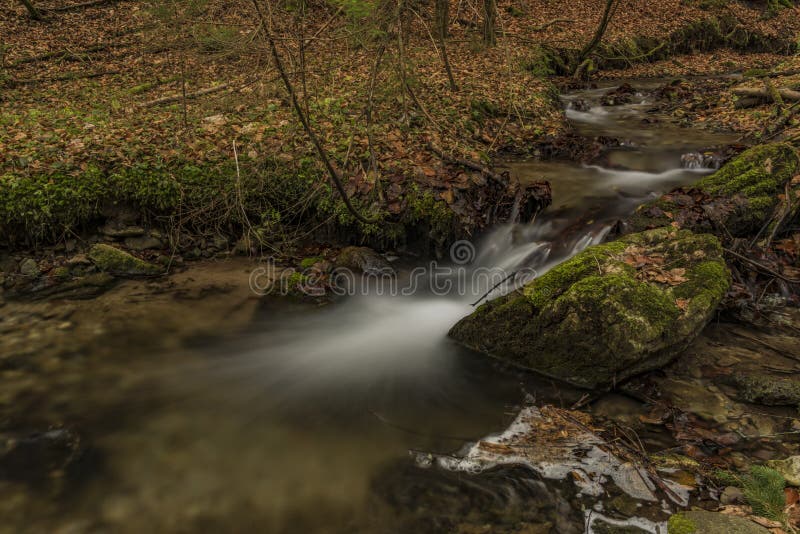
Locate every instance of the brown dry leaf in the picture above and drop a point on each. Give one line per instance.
(764, 522)
(677, 276)
(736, 509)
(682, 304)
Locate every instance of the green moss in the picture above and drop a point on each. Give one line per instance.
(113, 260)
(707, 283)
(679, 524)
(307, 263)
(61, 273)
(48, 204)
(744, 191)
(41, 207)
(596, 319)
(424, 208)
(762, 487)
(674, 461)
(763, 389)
(556, 280)
(759, 174)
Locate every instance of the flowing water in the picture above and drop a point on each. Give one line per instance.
(304, 423)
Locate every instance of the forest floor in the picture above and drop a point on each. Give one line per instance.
(170, 135)
(95, 97)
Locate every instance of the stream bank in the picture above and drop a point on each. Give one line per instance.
(148, 396)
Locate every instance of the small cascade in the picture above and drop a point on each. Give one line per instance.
(700, 160)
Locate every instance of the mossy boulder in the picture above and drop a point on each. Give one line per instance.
(737, 199)
(115, 261)
(789, 468)
(704, 522)
(610, 312)
(362, 259)
(767, 390)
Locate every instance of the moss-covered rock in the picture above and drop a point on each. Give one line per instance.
(113, 260)
(737, 199)
(789, 468)
(612, 311)
(703, 522)
(362, 259)
(768, 390)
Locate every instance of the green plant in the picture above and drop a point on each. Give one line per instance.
(215, 38)
(762, 488)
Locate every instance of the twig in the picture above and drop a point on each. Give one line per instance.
(64, 77)
(304, 120)
(465, 163)
(66, 54)
(185, 96)
(76, 7)
(498, 284)
(764, 268)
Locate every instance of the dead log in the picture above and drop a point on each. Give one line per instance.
(176, 98)
(751, 97)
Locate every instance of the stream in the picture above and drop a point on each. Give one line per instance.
(304, 423)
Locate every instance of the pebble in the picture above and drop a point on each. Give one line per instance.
(732, 495)
(29, 268)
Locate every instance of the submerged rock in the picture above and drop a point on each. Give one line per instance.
(703, 522)
(29, 268)
(39, 456)
(611, 312)
(559, 445)
(768, 390)
(113, 260)
(737, 199)
(362, 259)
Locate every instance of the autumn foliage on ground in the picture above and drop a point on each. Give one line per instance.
(156, 87)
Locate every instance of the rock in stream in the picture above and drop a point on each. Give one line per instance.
(613, 311)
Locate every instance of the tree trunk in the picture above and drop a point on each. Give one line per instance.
(32, 11)
(489, 18)
(608, 13)
(442, 21)
(442, 17)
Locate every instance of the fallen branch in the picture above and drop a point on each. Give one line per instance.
(551, 23)
(78, 7)
(176, 98)
(498, 284)
(472, 165)
(764, 268)
(64, 77)
(766, 95)
(66, 54)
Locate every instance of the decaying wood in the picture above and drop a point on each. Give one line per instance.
(82, 5)
(67, 54)
(32, 10)
(176, 98)
(469, 164)
(764, 95)
(64, 77)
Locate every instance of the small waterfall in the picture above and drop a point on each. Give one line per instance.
(698, 160)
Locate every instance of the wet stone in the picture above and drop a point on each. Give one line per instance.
(29, 268)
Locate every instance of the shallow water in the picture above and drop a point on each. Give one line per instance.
(304, 422)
